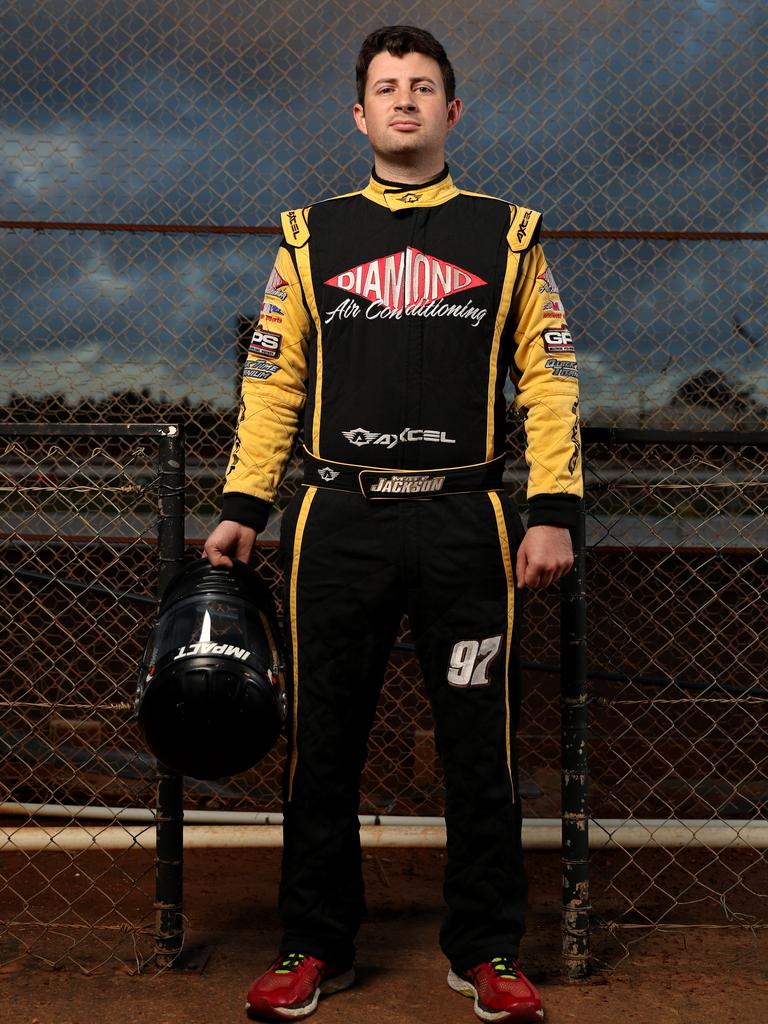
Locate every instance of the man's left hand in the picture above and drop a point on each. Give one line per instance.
(545, 554)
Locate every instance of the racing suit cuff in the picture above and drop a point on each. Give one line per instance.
(245, 509)
(554, 510)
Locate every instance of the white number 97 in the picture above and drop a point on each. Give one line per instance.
(470, 661)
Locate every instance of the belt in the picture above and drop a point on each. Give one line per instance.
(375, 483)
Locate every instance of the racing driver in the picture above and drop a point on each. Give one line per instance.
(392, 318)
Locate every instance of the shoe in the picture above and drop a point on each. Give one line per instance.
(500, 989)
(290, 988)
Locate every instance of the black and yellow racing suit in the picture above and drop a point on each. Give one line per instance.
(391, 321)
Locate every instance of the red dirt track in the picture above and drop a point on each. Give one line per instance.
(687, 976)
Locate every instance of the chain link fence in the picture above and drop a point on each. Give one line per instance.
(146, 151)
(81, 519)
(78, 533)
(677, 536)
(707, 369)
(676, 533)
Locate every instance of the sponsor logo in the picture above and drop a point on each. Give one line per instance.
(277, 285)
(558, 341)
(293, 223)
(522, 231)
(348, 308)
(271, 319)
(407, 484)
(409, 197)
(563, 368)
(235, 457)
(264, 343)
(552, 310)
(209, 647)
(407, 280)
(575, 438)
(259, 369)
(270, 307)
(360, 436)
(327, 474)
(548, 284)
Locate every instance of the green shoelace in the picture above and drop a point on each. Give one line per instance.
(290, 963)
(505, 967)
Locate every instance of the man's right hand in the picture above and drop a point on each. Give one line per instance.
(229, 540)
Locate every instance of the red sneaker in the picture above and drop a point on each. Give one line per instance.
(501, 991)
(290, 988)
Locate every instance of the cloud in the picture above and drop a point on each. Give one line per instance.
(89, 371)
(220, 125)
(36, 163)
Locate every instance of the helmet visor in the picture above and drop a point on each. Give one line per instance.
(213, 624)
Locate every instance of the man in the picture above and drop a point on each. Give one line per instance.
(394, 315)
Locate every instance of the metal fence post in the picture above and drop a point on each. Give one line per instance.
(169, 862)
(574, 775)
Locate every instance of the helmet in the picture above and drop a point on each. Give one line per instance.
(210, 700)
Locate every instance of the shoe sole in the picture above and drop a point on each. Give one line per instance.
(466, 988)
(268, 1012)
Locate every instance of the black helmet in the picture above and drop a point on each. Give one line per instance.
(211, 699)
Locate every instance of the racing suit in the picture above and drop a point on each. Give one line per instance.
(392, 318)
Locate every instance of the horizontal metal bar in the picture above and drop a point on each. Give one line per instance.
(661, 236)
(92, 588)
(89, 429)
(620, 435)
(538, 834)
(263, 229)
(191, 817)
(153, 229)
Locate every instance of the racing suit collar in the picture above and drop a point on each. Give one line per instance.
(400, 196)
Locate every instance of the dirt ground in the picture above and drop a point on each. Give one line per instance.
(688, 976)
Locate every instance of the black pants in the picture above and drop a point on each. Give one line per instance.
(351, 568)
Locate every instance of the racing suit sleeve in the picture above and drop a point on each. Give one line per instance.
(545, 375)
(272, 398)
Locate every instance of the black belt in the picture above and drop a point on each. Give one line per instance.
(403, 483)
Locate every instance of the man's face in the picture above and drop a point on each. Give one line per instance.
(406, 113)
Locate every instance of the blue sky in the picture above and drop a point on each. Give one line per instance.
(605, 115)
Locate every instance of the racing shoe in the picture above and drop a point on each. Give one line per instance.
(500, 989)
(290, 988)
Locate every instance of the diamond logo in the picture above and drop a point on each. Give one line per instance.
(405, 280)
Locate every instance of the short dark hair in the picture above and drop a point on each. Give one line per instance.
(400, 40)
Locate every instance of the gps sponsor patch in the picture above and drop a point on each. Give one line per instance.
(264, 343)
(556, 341)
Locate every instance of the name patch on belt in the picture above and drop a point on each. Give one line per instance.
(391, 486)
